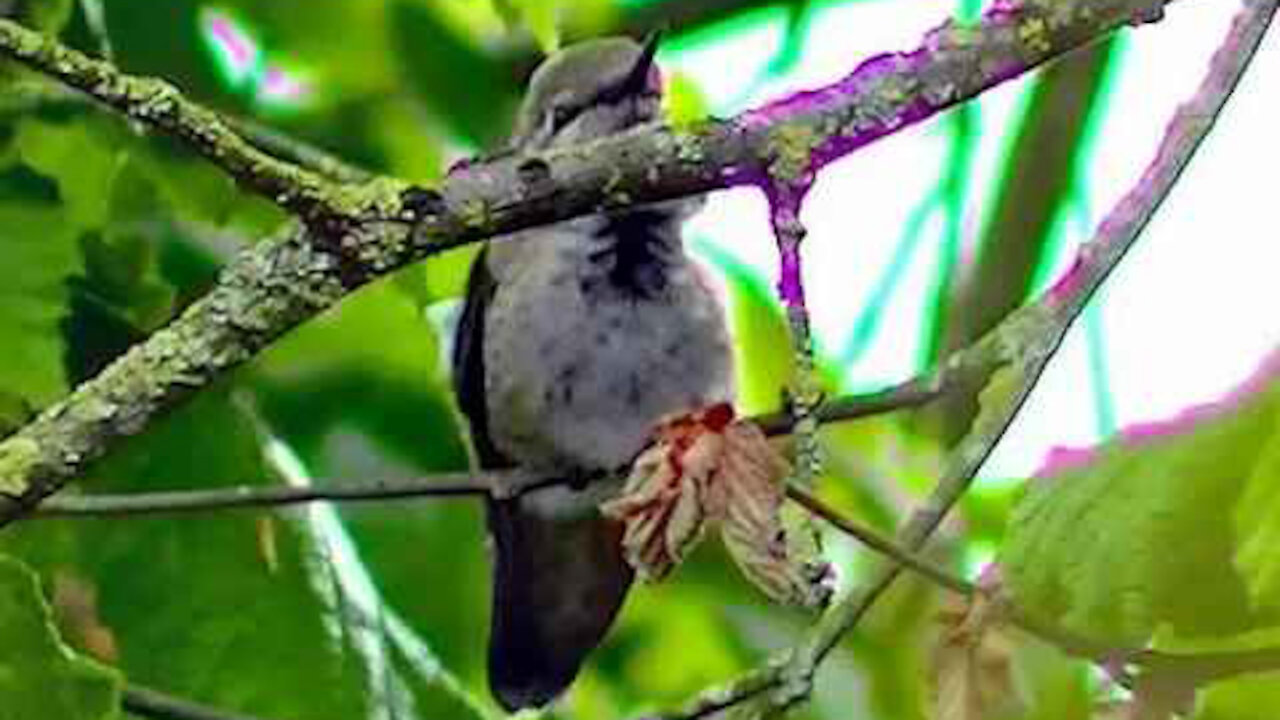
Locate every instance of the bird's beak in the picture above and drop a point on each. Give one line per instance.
(637, 81)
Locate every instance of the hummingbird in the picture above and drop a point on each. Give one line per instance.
(574, 340)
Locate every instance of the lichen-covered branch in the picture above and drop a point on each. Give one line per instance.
(1020, 347)
(359, 232)
(158, 104)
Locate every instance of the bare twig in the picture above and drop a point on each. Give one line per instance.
(879, 543)
(145, 702)
(1023, 344)
(1192, 669)
(909, 394)
(261, 496)
(913, 561)
(309, 156)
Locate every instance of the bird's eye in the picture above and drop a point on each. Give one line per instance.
(561, 115)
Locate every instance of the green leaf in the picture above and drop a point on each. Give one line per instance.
(58, 186)
(445, 275)
(1167, 531)
(48, 16)
(683, 103)
(359, 396)
(197, 604)
(82, 161)
(121, 296)
(39, 245)
(40, 677)
(471, 93)
(192, 190)
(541, 19)
(759, 329)
(1248, 697)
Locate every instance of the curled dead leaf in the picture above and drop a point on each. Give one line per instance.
(707, 469)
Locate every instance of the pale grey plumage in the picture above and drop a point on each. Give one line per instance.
(573, 345)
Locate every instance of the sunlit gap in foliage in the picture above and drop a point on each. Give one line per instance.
(246, 68)
(1075, 225)
(875, 284)
(749, 38)
(948, 203)
(1182, 316)
(868, 300)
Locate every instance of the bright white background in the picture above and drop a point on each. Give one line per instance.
(1188, 315)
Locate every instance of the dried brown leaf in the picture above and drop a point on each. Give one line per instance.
(767, 551)
(75, 603)
(706, 469)
(669, 499)
(973, 661)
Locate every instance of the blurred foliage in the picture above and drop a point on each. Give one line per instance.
(1253, 697)
(116, 230)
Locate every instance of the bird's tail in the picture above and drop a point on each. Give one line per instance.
(557, 585)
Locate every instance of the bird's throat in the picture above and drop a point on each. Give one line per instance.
(634, 250)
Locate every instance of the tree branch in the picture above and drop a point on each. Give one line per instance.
(357, 233)
(1023, 343)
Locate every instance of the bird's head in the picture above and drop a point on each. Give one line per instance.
(588, 91)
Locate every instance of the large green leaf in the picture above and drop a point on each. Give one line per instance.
(1167, 531)
(360, 396)
(198, 605)
(40, 677)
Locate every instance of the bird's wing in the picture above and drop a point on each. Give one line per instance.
(468, 361)
(557, 584)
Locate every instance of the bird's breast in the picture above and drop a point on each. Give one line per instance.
(580, 366)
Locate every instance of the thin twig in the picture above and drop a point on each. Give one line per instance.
(1023, 343)
(459, 485)
(909, 394)
(880, 544)
(149, 703)
(288, 147)
(1191, 668)
(913, 561)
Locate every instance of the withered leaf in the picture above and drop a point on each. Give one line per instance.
(706, 469)
(973, 660)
